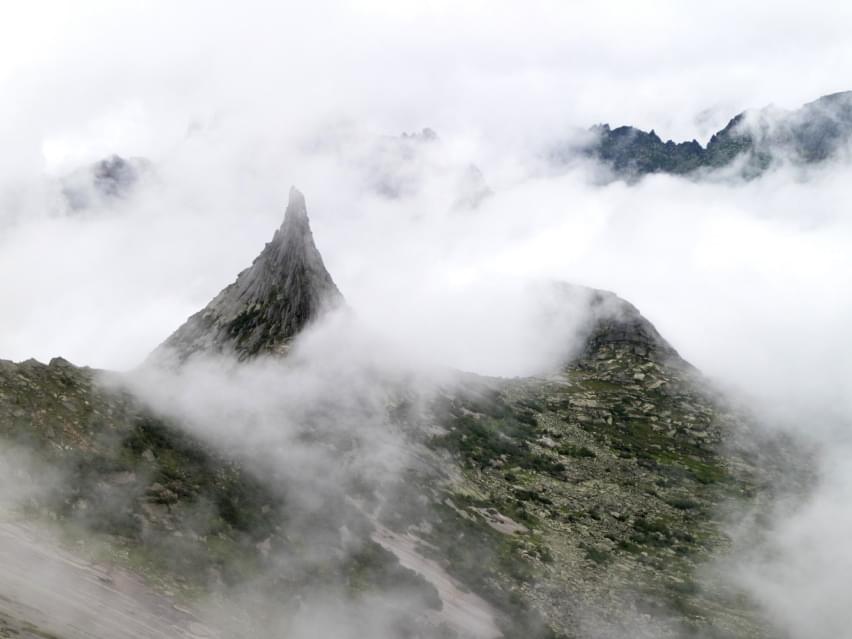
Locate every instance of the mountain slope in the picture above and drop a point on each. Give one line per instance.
(122, 490)
(602, 488)
(581, 504)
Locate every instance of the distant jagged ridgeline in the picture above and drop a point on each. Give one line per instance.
(754, 141)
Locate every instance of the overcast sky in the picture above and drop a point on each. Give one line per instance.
(230, 101)
(90, 77)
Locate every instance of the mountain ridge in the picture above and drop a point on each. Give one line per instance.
(753, 141)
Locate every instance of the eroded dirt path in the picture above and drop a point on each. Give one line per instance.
(463, 611)
(47, 592)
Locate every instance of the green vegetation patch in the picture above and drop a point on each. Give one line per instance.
(482, 441)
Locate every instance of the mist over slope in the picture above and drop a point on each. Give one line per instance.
(343, 489)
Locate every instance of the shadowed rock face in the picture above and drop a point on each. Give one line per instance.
(606, 324)
(816, 132)
(615, 322)
(285, 288)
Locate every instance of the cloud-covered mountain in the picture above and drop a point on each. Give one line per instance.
(103, 183)
(313, 485)
(751, 142)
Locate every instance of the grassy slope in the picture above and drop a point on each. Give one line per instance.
(616, 472)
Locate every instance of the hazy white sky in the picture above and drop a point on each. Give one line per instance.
(89, 77)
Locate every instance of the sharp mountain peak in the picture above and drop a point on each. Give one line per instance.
(286, 287)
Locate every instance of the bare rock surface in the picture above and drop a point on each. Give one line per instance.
(285, 288)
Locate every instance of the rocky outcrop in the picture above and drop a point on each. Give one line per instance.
(615, 324)
(426, 135)
(630, 151)
(111, 179)
(472, 189)
(285, 289)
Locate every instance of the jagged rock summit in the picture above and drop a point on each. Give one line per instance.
(615, 324)
(286, 287)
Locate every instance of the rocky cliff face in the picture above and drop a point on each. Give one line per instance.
(753, 140)
(285, 288)
(582, 504)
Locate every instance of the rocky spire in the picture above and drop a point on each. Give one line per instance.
(616, 327)
(613, 338)
(286, 287)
